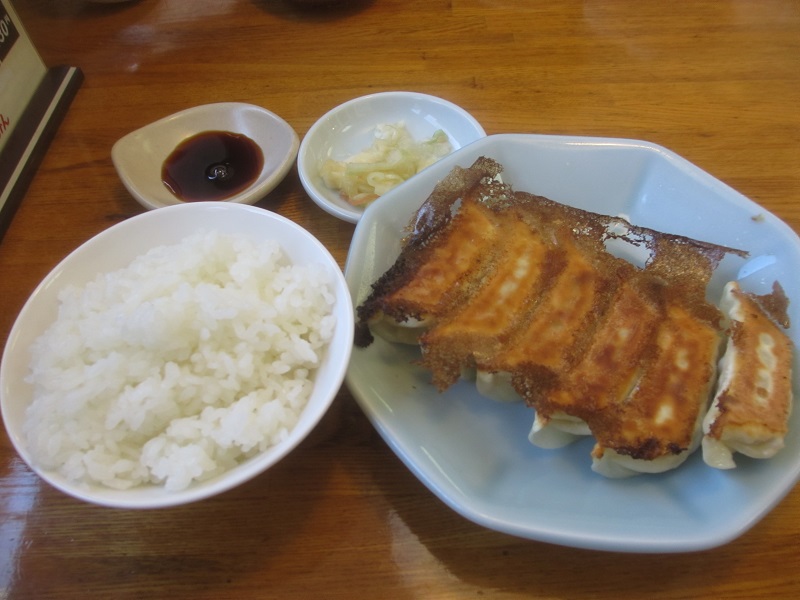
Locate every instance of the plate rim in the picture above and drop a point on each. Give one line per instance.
(699, 541)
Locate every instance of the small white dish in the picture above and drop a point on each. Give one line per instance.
(474, 453)
(115, 248)
(139, 156)
(350, 127)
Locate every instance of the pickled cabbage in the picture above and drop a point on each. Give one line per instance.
(393, 157)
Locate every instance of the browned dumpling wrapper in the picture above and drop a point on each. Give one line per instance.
(524, 294)
(750, 411)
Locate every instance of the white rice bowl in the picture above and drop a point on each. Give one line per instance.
(214, 339)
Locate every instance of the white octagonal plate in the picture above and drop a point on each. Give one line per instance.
(474, 453)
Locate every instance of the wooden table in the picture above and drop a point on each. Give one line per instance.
(717, 81)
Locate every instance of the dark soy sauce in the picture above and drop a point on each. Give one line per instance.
(213, 165)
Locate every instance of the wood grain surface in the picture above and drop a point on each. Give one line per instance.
(716, 81)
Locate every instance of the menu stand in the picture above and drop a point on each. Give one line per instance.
(33, 102)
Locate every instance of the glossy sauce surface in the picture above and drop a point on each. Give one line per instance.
(212, 165)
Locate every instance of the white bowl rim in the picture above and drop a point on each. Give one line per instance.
(151, 497)
(268, 179)
(352, 215)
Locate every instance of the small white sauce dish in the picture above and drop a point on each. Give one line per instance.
(350, 128)
(116, 248)
(139, 156)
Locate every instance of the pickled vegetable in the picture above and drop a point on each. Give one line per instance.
(393, 157)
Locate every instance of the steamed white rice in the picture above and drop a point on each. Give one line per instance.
(176, 368)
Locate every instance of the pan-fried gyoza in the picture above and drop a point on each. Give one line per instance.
(602, 327)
